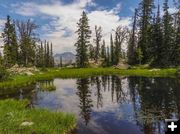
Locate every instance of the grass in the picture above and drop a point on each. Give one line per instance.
(13, 113)
(24, 80)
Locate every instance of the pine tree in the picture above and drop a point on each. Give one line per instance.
(48, 55)
(51, 57)
(103, 50)
(45, 54)
(60, 61)
(176, 51)
(157, 43)
(10, 43)
(83, 41)
(167, 36)
(116, 51)
(108, 57)
(132, 45)
(145, 14)
(91, 52)
(15, 52)
(41, 55)
(112, 50)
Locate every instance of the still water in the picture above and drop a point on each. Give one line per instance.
(110, 104)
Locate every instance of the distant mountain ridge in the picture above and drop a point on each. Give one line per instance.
(67, 58)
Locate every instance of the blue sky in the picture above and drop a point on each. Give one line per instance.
(57, 18)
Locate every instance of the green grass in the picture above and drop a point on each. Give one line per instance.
(24, 80)
(13, 113)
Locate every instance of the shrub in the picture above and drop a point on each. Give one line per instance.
(3, 74)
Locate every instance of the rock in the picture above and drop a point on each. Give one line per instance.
(23, 70)
(26, 123)
(121, 66)
(154, 70)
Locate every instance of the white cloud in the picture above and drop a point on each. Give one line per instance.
(2, 23)
(64, 18)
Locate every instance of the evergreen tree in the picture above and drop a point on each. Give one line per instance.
(60, 61)
(167, 36)
(112, 50)
(15, 52)
(132, 44)
(103, 50)
(48, 55)
(176, 52)
(157, 44)
(51, 57)
(41, 55)
(10, 43)
(91, 52)
(108, 57)
(83, 41)
(45, 54)
(145, 13)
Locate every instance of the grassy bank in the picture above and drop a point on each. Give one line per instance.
(15, 118)
(24, 80)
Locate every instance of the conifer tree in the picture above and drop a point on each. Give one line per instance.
(112, 50)
(82, 41)
(145, 13)
(157, 41)
(132, 44)
(103, 50)
(10, 43)
(167, 36)
(91, 52)
(176, 52)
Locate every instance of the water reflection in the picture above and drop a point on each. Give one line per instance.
(85, 101)
(152, 99)
(110, 104)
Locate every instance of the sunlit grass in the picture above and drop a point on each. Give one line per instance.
(24, 80)
(13, 113)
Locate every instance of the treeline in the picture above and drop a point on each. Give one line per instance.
(23, 47)
(154, 39)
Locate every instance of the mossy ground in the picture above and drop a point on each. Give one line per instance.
(13, 113)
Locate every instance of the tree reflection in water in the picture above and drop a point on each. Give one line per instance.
(152, 99)
(85, 103)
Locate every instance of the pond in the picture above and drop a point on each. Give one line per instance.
(109, 104)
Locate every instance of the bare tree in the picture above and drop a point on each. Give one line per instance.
(98, 34)
(120, 37)
(27, 40)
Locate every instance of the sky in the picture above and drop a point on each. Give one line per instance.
(57, 19)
